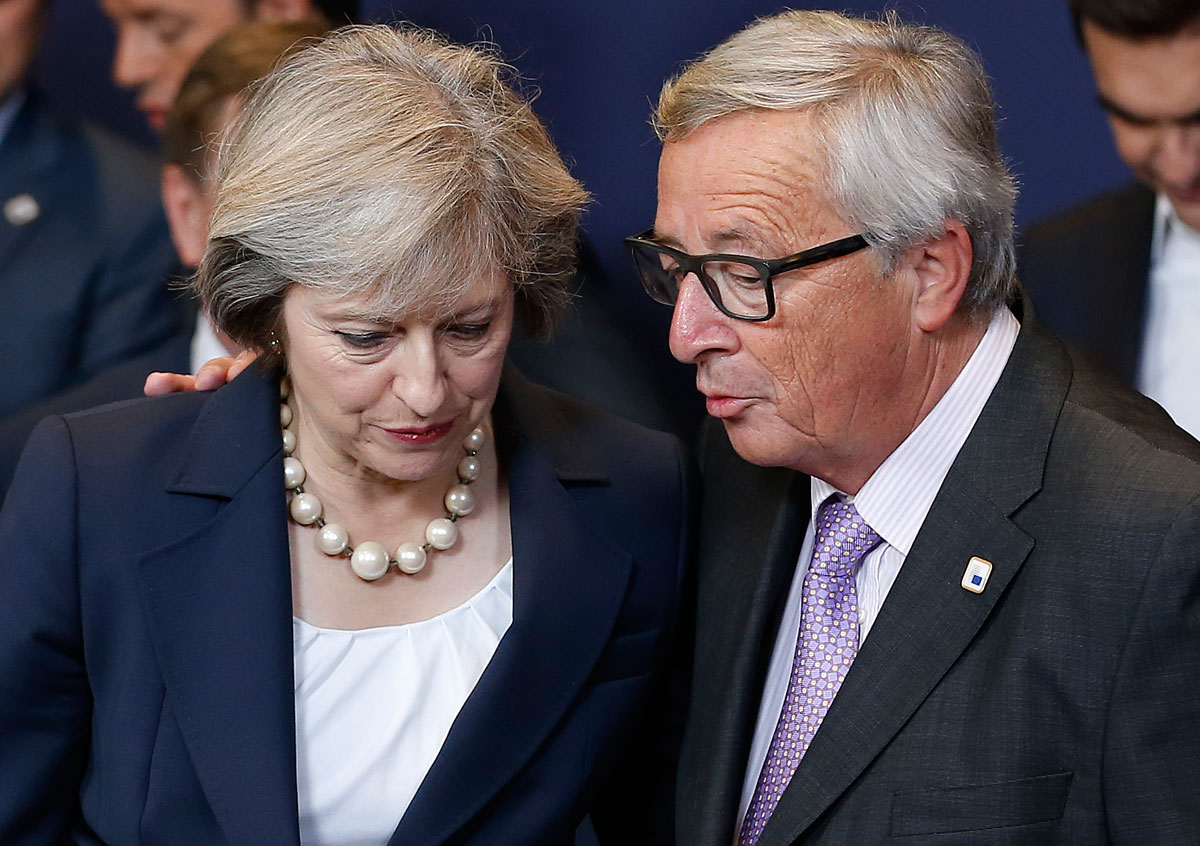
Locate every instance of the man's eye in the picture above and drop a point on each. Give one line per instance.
(170, 31)
(362, 340)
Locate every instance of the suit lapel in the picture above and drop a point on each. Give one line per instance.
(568, 586)
(219, 607)
(928, 620)
(736, 621)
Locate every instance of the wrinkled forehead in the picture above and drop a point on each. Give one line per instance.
(753, 181)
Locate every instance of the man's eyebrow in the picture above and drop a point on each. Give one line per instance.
(721, 241)
(1123, 114)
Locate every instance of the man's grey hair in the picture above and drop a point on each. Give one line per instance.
(393, 166)
(905, 116)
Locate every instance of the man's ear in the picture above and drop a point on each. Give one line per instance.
(187, 214)
(942, 267)
(283, 11)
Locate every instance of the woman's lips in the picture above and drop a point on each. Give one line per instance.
(422, 434)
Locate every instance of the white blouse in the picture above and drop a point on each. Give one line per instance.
(374, 706)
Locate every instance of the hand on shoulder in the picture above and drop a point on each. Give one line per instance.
(212, 375)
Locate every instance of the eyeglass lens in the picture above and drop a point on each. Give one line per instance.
(738, 286)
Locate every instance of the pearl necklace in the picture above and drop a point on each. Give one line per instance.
(370, 560)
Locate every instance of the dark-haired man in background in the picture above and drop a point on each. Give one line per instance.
(1119, 275)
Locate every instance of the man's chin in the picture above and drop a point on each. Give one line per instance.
(1187, 207)
(752, 444)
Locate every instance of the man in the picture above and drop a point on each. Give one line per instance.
(948, 587)
(209, 98)
(1119, 275)
(159, 40)
(84, 252)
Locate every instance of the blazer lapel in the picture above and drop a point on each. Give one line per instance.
(568, 586)
(928, 620)
(219, 607)
(744, 575)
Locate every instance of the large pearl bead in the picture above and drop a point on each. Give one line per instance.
(305, 508)
(469, 468)
(285, 415)
(460, 500)
(441, 533)
(410, 558)
(475, 440)
(285, 388)
(289, 441)
(293, 473)
(333, 539)
(369, 561)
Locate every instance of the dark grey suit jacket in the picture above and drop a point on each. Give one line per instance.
(1061, 705)
(1087, 268)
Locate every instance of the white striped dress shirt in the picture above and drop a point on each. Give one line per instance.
(894, 502)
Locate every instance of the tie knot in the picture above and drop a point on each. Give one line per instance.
(841, 538)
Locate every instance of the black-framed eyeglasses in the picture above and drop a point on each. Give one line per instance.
(740, 286)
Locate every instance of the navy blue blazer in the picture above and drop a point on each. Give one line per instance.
(146, 683)
(84, 281)
(122, 381)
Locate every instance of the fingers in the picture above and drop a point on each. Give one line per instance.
(158, 384)
(243, 360)
(212, 374)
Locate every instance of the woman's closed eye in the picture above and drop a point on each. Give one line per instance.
(363, 340)
(468, 331)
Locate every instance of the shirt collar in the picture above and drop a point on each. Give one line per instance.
(897, 497)
(8, 111)
(1167, 226)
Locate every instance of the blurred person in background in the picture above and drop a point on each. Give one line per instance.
(159, 40)
(1119, 274)
(84, 250)
(209, 98)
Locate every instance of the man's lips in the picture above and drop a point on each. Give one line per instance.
(157, 118)
(421, 434)
(721, 406)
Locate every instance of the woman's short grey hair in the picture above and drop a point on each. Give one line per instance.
(906, 118)
(392, 166)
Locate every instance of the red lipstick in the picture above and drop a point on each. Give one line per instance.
(422, 434)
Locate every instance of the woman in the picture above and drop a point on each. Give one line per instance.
(188, 654)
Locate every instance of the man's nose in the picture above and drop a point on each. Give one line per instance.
(130, 67)
(697, 327)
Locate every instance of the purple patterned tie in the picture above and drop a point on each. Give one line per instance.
(825, 648)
